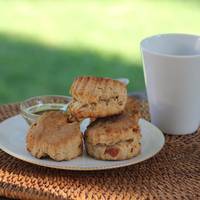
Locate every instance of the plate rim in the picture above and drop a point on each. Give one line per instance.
(114, 166)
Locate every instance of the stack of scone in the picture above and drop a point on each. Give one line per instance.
(114, 133)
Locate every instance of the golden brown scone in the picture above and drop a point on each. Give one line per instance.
(97, 97)
(52, 135)
(113, 138)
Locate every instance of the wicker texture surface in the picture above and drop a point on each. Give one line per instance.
(174, 173)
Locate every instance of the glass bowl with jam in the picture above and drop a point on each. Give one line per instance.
(33, 107)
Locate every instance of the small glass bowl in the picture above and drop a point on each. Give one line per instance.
(33, 107)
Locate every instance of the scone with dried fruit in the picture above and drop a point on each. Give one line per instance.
(114, 138)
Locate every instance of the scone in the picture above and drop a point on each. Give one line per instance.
(52, 135)
(113, 138)
(97, 97)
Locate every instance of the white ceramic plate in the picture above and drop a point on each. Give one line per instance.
(12, 141)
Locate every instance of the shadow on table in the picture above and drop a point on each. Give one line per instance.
(29, 68)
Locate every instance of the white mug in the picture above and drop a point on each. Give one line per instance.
(172, 76)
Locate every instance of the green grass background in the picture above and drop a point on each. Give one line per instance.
(45, 44)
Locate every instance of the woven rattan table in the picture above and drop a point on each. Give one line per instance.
(174, 173)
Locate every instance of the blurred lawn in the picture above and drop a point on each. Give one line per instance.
(45, 44)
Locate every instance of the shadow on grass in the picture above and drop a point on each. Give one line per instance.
(29, 68)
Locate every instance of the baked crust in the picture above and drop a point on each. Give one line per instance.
(95, 97)
(111, 130)
(93, 89)
(52, 135)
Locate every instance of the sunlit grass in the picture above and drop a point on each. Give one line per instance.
(111, 29)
